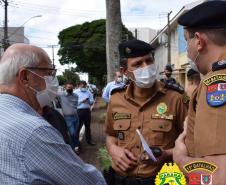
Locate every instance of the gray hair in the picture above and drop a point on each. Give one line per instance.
(12, 63)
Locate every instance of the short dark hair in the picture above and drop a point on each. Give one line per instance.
(69, 83)
(193, 76)
(82, 82)
(217, 36)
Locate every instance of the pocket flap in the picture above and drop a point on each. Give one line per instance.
(161, 126)
(123, 124)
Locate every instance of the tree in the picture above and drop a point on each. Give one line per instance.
(114, 36)
(85, 45)
(69, 75)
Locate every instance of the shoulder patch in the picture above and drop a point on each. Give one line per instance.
(185, 98)
(174, 86)
(214, 79)
(118, 89)
(216, 94)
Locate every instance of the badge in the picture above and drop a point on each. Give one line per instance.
(170, 174)
(118, 116)
(216, 94)
(162, 116)
(206, 179)
(121, 136)
(128, 50)
(161, 108)
(185, 99)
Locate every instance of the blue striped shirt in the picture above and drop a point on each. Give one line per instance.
(33, 152)
(82, 96)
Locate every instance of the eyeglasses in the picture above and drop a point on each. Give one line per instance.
(52, 70)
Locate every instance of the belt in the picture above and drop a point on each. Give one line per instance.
(120, 180)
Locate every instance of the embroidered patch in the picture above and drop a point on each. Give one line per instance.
(216, 94)
(162, 116)
(121, 136)
(215, 78)
(162, 108)
(118, 116)
(185, 99)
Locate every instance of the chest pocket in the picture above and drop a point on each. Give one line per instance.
(123, 129)
(160, 129)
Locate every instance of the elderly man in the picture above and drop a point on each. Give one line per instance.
(205, 33)
(31, 150)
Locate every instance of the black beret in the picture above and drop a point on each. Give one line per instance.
(192, 72)
(208, 15)
(168, 68)
(134, 48)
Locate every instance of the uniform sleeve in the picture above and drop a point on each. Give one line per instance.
(182, 110)
(91, 100)
(50, 161)
(109, 122)
(105, 94)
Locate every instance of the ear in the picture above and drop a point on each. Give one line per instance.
(200, 41)
(123, 70)
(23, 76)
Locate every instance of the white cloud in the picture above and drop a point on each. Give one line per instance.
(60, 14)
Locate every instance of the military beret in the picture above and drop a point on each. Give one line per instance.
(208, 15)
(168, 68)
(134, 48)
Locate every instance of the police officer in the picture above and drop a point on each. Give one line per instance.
(168, 80)
(205, 33)
(147, 105)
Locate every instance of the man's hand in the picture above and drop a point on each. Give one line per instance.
(123, 159)
(85, 100)
(180, 151)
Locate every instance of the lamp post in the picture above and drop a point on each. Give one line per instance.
(23, 25)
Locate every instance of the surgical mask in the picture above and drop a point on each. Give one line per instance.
(46, 96)
(119, 80)
(83, 89)
(145, 77)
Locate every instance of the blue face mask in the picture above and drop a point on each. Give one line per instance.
(83, 89)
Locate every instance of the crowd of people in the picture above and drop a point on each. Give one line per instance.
(40, 145)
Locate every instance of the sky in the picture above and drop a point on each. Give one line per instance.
(57, 15)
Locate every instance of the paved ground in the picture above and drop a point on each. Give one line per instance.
(90, 153)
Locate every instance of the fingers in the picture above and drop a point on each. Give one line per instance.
(131, 156)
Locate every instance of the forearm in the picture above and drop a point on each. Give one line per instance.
(110, 143)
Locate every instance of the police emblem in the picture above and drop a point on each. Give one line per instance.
(206, 179)
(216, 94)
(161, 108)
(194, 179)
(128, 50)
(170, 174)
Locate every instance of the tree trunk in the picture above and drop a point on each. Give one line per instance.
(113, 36)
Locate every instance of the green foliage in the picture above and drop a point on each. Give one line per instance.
(69, 75)
(105, 158)
(62, 80)
(85, 45)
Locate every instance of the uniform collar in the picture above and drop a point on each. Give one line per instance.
(159, 88)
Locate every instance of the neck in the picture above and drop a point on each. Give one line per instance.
(142, 94)
(213, 55)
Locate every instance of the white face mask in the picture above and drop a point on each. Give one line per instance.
(46, 96)
(119, 80)
(145, 77)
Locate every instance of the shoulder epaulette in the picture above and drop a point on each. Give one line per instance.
(219, 65)
(174, 86)
(118, 89)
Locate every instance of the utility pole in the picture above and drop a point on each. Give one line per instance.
(113, 36)
(5, 39)
(136, 33)
(53, 46)
(169, 39)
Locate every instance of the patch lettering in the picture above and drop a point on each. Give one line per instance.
(215, 78)
(118, 116)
